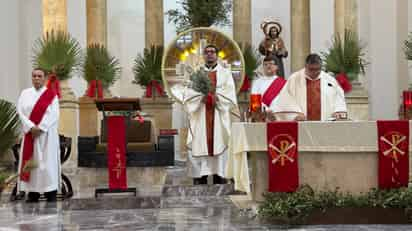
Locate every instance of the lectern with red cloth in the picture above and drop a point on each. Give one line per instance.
(117, 141)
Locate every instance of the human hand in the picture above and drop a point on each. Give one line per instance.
(35, 131)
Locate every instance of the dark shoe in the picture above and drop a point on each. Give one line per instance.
(200, 180)
(33, 197)
(218, 179)
(51, 196)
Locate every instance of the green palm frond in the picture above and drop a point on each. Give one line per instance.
(9, 125)
(250, 55)
(147, 67)
(408, 47)
(57, 52)
(345, 55)
(197, 13)
(100, 65)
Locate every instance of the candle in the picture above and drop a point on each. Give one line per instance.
(255, 102)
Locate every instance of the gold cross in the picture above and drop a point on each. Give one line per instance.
(284, 147)
(396, 140)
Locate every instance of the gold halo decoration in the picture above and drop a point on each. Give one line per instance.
(185, 53)
(267, 25)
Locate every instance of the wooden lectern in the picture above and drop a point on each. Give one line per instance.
(128, 106)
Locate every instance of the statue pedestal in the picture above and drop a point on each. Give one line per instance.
(357, 103)
(88, 117)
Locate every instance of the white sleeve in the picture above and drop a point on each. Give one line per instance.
(27, 124)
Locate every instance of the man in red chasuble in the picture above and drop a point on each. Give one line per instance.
(209, 122)
(310, 94)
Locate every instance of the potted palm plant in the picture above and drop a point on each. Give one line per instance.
(345, 59)
(9, 126)
(250, 56)
(147, 71)
(100, 70)
(59, 54)
(196, 13)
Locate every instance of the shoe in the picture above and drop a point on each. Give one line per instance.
(219, 180)
(33, 197)
(200, 180)
(51, 196)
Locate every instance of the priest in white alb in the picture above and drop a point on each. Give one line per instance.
(38, 109)
(210, 121)
(269, 84)
(310, 94)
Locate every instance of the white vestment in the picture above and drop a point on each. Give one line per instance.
(46, 152)
(200, 164)
(261, 84)
(292, 98)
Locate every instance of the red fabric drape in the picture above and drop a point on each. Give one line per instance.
(282, 139)
(36, 115)
(95, 89)
(116, 152)
(53, 84)
(343, 81)
(246, 84)
(393, 160)
(158, 88)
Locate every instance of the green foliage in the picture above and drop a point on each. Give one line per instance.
(345, 56)
(100, 65)
(201, 82)
(408, 47)
(250, 55)
(57, 52)
(9, 125)
(147, 67)
(295, 207)
(197, 13)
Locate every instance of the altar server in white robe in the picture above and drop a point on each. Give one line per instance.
(269, 84)
(310, 94)
(45, 178)
(210, 122)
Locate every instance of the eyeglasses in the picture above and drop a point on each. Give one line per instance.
(40, 76)
(210, 51)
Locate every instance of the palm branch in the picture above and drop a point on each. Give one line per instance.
(147, 67)
(100, 65)
(9, 125)
(250, 55)
(57, 52)
(408, 47)
(345, 55)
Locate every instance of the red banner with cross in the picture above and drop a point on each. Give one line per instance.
(282, 140)
(393, 151)
(116, 152)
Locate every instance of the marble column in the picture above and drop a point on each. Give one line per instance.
(346, 16)
(54, 15)
(300, 32)
(154, 14)
(242, 21)
(96, 21)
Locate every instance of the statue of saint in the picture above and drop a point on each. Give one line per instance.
(273, 44)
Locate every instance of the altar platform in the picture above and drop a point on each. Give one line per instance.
(332, 155)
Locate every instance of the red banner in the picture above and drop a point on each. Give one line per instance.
(393, 161)
(116, 152)
(282, 139)
(36, 115)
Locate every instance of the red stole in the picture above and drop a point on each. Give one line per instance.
(313, 101)
(210, 115)
(36, 116)
(273, 90)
